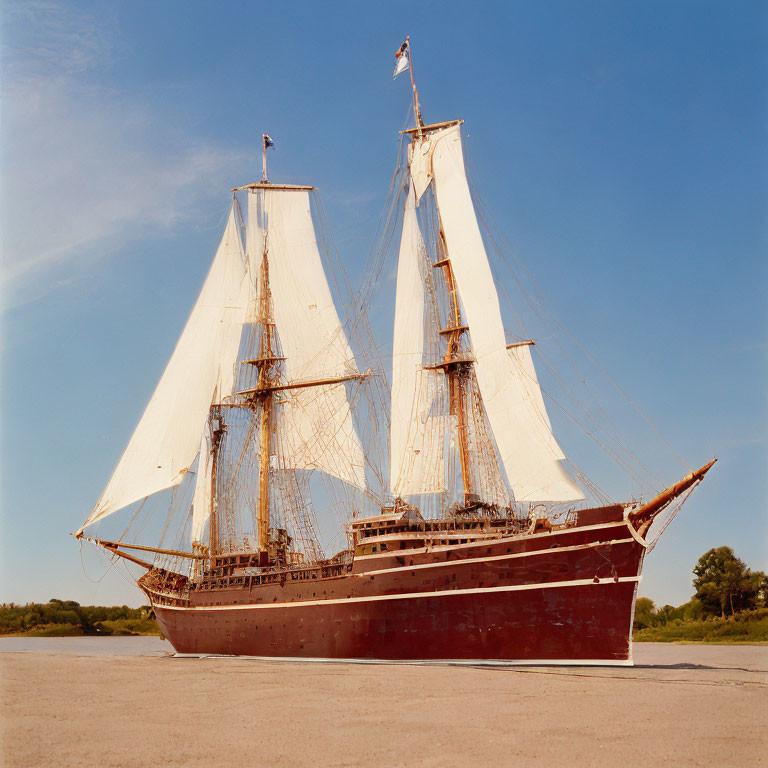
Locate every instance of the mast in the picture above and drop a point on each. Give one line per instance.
(265, 363)
(455, 368)
(217, 433)
(512, 425)
(289, 317)
(276, 353)
(266, 143)
(417, 108)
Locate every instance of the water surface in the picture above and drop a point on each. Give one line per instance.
(650, 655)
(88, 646)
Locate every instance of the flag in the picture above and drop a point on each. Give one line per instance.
(267, 141)
(402, 59)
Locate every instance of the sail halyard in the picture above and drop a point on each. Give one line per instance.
(506, 381)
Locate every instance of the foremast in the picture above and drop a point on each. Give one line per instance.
(457, 368)
(252, 401)
(265, 363)
(287, 370)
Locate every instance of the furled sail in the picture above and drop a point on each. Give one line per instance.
(167, 438)
(315, 429)
(418, 425)
(529, 451)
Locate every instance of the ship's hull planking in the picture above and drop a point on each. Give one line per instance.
(554, 596)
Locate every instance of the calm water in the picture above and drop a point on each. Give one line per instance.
(88, 646)
(670, 655)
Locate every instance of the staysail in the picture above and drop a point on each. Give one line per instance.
(201, 501)
(512, 398)
(167, 438)
(418, 425)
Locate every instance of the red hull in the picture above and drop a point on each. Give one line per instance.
(557, 596)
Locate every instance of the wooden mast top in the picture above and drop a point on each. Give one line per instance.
(267, 185)
(432, 127)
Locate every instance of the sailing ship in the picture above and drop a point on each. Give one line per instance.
(481, 546)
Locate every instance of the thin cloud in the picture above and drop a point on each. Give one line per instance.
(85, 163)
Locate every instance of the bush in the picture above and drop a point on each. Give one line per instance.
(66, 617)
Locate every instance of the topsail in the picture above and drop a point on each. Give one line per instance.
(315, 428)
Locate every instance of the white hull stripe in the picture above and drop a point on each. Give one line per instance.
(404, 596)
(479, 543)
(488, 558)
(421, 662)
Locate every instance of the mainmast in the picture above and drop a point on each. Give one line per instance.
(496, 406)
(456, 364)
(456, 367)
(265, 362)
(416, 107)
(269, 301)
(217, 433)
(403, 61)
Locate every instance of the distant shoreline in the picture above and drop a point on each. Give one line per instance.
(59, 618)
(82, 634)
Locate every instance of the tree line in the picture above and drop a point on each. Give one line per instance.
(724, 587)
(69, 617)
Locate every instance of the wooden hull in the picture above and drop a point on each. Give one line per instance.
(563, 596)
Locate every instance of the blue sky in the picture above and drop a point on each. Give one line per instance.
(620, 147)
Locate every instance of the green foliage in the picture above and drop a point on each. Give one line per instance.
(142, 626)
(724, 585)
(729, 605)
(745, 627)
(645, 613)
(66, 617)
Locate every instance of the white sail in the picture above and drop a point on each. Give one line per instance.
(315, 428)
(418, 425)
(529, 451)
(522, 364)
(201, 501)
(167, 438)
